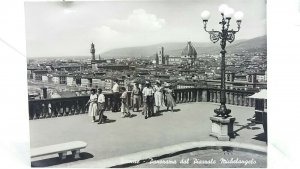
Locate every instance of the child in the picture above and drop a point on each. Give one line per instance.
(124, 105)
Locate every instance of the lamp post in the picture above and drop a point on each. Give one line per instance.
(226, 35)
(222, 122)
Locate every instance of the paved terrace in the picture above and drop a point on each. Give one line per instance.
(122, 136)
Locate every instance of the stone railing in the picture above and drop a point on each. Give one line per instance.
(56, 107)
(234, 97)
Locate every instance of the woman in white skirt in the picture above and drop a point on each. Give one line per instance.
(158, 96)
(93, 105)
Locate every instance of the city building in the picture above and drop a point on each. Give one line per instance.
(174, 60)
(37, 74)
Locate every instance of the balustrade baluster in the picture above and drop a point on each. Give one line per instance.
(35, 110)
(196, 95)
(227, 97)
(252, 102)
(216, 96)
(48, 106)
(30, 105)
(43, 111)
(211, 96)
(235, 99)
(247, 101)
(180, 97)
(265, 104)
(238, 99)
(204, 95)
(232, 98)
(64, 108)
(176, 96)
(242, 100)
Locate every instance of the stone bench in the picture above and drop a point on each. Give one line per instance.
(61, 149)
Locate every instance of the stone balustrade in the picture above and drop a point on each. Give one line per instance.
(56, 107)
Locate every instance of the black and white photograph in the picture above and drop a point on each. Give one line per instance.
(147, 84)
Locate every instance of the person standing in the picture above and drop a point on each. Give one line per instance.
(115, 97)
(93, 105)
(125, 105)
(141, 94)
(158, 96)
(148, 100)
(101, 106)
(170, 102)
(136, 97)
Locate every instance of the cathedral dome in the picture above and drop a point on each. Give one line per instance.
(189, 50)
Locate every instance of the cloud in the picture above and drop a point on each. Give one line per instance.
(139, 20)
(106, 32)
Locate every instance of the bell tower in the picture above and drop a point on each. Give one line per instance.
(93, 62)
(93, 51)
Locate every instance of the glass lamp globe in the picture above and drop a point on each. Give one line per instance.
(228, 13)
(239, 15)
(222, 8)
(205, 15)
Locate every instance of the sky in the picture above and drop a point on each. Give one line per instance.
(68, 28)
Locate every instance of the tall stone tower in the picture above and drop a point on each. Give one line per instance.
(93, 51)
(93, 62)
(156, 59)
(161, 57)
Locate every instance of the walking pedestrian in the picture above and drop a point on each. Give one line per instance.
(93, 105)
(101, 106)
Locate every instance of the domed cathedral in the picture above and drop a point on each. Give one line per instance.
(189, 54)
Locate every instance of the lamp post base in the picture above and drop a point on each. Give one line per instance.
(222, 111)
(222, 128)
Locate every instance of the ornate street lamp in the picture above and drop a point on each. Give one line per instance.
(226, 35)
(222, 122)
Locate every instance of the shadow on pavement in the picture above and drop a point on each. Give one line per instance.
(260, 137)
(56, 160)
(132, 115)
(247, 126)
(169, 111)
(109, 121)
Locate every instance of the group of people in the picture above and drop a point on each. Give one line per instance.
(97, 106)
(152, 99)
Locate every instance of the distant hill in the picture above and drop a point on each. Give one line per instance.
(175, 48)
